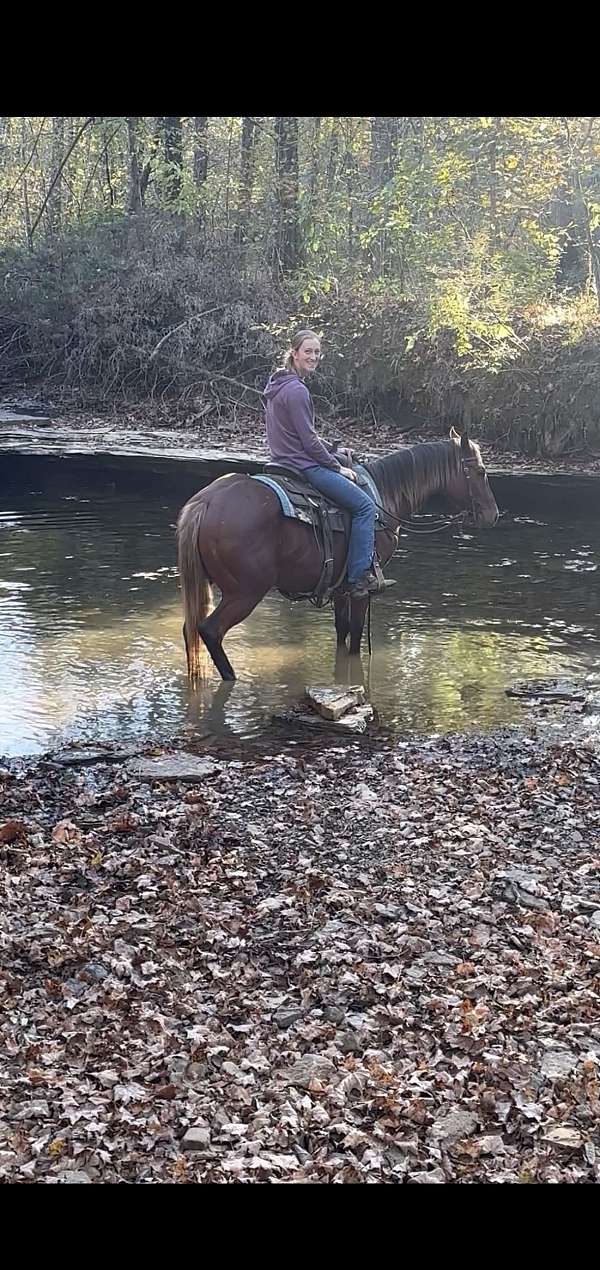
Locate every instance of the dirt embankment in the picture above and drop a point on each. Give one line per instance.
(242, 434)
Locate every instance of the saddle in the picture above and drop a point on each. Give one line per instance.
(301, 501)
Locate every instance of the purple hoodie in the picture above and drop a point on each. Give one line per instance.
(290, 419)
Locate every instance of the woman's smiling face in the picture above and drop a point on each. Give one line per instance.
(306, 358)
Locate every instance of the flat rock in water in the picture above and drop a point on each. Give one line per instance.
(355, 721)
(334, 703)
(15, 416)
(73, 757)
(173, 767)
(548, 690)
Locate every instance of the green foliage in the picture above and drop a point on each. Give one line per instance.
(435, 247)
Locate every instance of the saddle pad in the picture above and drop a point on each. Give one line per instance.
(294, 493)
(302, 502)
(284, 498)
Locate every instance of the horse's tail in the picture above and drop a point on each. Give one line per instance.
(196, 590)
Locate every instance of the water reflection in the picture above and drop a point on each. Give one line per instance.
(90, 625)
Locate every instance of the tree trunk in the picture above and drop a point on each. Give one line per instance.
(286, 165)
(593, 249)
(384, 149)
(582, 206)
(384, 146)
(134, 205)
(4, 140)
(25, 190)
(349, 173)
(54, 219)
(70, 201)
(572, 265)
(172, 135)
(200, 150)
(247, 154)
(315, 160)
(493, 177)
(107, 171)
(314, 186)
(332, 161)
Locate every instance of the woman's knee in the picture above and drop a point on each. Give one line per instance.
(367, 510)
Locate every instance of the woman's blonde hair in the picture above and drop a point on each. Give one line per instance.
(296, 343)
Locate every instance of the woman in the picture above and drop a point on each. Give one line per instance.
(294, 443)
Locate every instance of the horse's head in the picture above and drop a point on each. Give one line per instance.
(471, 488)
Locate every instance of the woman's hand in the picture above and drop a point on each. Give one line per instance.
(348, 473)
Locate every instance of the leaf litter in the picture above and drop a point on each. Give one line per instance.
(369, 962)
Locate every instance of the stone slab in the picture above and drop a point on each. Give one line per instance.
(173, 767)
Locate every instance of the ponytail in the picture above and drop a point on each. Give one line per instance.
(297, 341)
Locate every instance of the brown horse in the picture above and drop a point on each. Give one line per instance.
(234, 534)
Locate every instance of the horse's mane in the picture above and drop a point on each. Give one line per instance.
(407, 477)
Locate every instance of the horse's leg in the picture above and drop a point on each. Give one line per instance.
(358, 611)
(217, 653)
(341, 604)
(341, 664)
(355, 674)
(230, 612)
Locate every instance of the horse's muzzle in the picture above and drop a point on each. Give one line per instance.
(482, 520)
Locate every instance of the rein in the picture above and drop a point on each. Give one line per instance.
(449, 520)
(410, 528)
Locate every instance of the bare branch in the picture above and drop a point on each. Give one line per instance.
(57, 174)
(103, 154)
(188, 322)
(23, 170)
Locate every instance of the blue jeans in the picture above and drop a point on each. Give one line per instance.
(362, 532)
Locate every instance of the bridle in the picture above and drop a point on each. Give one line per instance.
(467, 466)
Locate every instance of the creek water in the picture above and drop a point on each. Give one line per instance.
(90, 620)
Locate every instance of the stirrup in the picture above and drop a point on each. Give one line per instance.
(372, 584)
(382, 583)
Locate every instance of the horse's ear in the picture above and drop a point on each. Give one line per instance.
(454, 435)
(465, 444)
